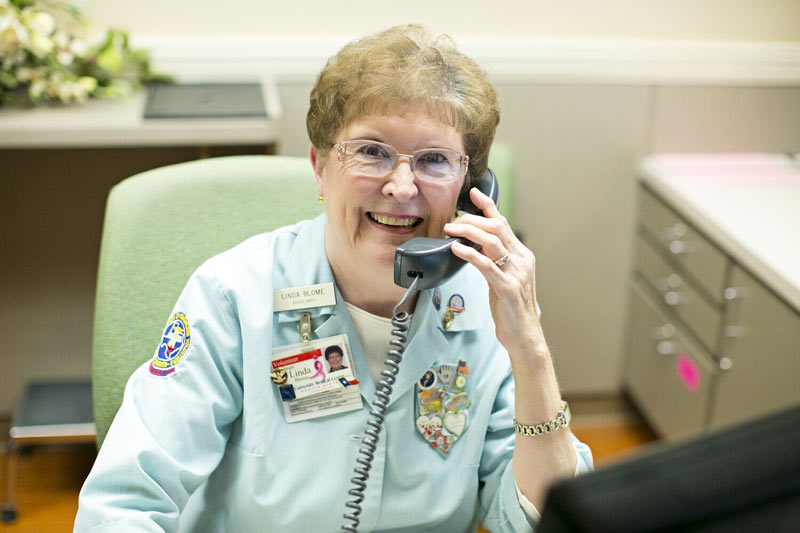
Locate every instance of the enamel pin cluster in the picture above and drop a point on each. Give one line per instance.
(443, 405)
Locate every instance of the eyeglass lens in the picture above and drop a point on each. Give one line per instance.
(375, 159)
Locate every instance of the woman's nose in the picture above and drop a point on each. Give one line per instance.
(401, 182)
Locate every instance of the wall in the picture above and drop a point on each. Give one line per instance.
(725, 20)
(579, 108)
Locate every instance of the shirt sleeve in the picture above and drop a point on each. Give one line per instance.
(583, 464)
(502, 509)
(171, 431)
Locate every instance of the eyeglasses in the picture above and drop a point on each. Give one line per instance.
(377, 160)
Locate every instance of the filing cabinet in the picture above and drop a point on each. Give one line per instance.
(675, 405)
(761, 346)
(708, 344)
(677, 239)
(675, 291)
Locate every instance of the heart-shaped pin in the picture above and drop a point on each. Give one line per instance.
(455, 423)
(428, 425)
(442, 442)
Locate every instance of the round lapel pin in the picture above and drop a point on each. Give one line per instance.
(279, 376)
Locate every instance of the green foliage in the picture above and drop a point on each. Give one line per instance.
(50, 53)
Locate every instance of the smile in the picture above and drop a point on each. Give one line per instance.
(402, 222)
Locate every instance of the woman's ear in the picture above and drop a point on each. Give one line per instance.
(318, 164)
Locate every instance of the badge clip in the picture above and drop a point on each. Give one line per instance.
(305, 326)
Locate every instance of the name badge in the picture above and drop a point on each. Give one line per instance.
(315, 378)
(320, 295)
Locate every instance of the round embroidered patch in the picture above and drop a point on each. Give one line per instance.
(174, 344)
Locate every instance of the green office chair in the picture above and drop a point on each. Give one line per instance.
(502, 163)
(162, 224)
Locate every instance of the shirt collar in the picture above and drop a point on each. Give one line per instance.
(301, 269)
(429, 341)
(302, 266)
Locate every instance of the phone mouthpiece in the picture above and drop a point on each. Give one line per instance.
(429, 261)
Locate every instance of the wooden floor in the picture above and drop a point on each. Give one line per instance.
(48, 484)
(50, 478)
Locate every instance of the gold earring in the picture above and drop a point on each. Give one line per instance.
(320, 198)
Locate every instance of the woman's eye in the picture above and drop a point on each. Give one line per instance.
(373, 151)
(433, 158)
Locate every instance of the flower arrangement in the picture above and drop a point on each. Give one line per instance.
(50, 53)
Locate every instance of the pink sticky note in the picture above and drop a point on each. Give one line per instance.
(688, 372)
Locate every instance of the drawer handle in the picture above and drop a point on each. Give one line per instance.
(673, 238)
(667, 348)
(733, 332)
(734, 293)
(663, 332)
(677, 231)
(673, 281)
(661, 337)
(672, 298)
(725, 363)
(676, 246)
(670, 283)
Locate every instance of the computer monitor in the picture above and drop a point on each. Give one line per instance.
(745, 478)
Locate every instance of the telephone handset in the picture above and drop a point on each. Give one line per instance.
(430, 261)
(420, 263)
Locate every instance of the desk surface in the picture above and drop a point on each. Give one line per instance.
(747, 203)
(121, 123)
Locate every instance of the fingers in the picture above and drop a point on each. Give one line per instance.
(492, 231)
(492, 220)
(484, 203)
(493, 274)
(491, 245)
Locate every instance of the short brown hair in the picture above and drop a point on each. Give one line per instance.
(406, 65)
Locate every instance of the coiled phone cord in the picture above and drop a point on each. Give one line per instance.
(378, 413)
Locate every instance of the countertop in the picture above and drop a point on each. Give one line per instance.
(747, 203)
(120, 123)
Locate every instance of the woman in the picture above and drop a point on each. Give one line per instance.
(335, 357)
(253, 419)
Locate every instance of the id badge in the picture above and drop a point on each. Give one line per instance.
(315, 378)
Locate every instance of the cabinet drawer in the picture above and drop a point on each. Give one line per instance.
(668, 376)
(678, 295)
(764, 357)
(704, 261)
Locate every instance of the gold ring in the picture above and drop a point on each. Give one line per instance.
(502, 261)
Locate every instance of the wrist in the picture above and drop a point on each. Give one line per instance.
(561, 420)
(530, 344)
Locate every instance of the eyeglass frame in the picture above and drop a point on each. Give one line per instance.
(341, 155)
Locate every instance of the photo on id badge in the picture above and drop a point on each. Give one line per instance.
(335, 358)
(312, 367)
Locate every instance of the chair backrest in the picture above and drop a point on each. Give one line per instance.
(160, 225)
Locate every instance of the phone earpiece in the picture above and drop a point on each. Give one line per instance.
(431, 259)
(487, 185)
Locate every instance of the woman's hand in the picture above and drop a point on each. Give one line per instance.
(540, 460)
(512, 286)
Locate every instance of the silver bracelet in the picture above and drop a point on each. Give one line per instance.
(560, 421)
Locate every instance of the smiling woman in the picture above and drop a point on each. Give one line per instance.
(370, 216)
(400, 125)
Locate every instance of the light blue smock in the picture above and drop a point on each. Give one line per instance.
(208, 448)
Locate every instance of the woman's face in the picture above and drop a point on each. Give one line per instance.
(335, 360)
(368, 218)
